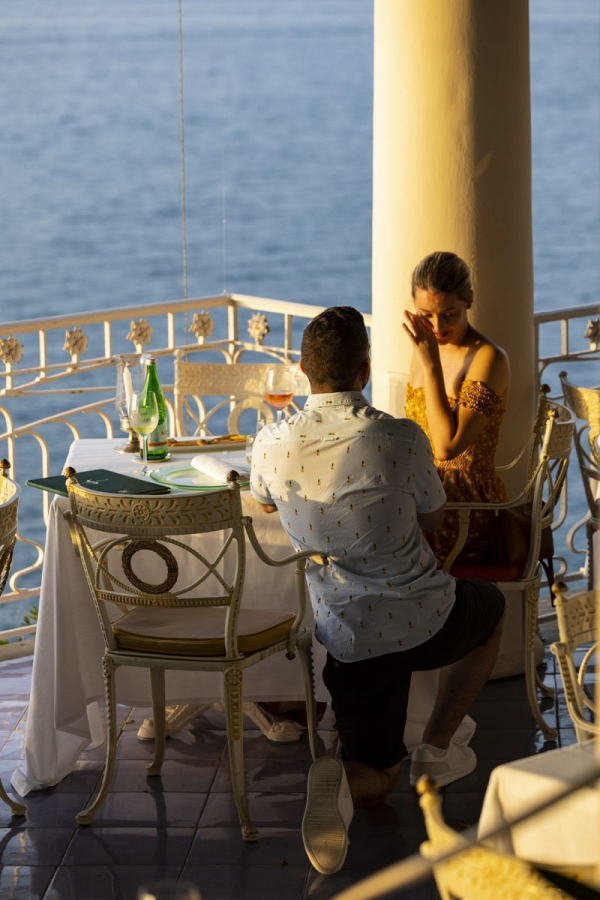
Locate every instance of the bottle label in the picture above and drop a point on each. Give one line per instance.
(157, 442)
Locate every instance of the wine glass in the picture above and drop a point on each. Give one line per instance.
(279, 388)
(143, 418)
(130, 378)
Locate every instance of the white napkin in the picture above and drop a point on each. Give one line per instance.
(217, 467)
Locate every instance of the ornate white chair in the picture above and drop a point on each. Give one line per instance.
(521, 584)
(577, 615)
(240, 386)
(192, 618)
(9, 505)
(585, 404)
(477, 873)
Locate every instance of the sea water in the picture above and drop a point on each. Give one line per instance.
(278, 110)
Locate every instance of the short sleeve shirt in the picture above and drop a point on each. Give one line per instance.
(349, 481)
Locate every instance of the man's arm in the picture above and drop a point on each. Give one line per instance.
(430, 521)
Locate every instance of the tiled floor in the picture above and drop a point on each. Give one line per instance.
(184, 825)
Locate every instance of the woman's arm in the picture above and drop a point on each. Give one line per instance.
(453, 431)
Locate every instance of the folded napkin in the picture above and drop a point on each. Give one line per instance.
(218, 468)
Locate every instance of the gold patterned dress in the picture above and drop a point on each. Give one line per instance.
(470, 475)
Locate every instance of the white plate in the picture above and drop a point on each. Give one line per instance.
(186, 478)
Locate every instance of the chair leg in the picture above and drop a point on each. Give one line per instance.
(18, 809)
(108, 668)
(157, 681)
(233, 677)
(306, 656)
(530, 612)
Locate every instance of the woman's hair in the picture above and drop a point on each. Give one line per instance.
(443, 273)
(335, 344)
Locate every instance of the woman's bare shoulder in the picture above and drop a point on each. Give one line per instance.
(490, 364)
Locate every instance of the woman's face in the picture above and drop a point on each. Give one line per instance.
(446, 314)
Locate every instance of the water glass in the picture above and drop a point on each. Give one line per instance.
(143, 418)
(167, 889)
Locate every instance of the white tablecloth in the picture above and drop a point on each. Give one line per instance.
(65, 714)
(568, 834)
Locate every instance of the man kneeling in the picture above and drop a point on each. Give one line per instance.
(359, 485)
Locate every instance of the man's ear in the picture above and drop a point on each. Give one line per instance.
(364, 373)
(301, 364)
(469, 303)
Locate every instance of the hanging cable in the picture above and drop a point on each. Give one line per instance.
(223, 56)
(182, 133)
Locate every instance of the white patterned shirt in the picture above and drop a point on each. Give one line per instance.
(349, 481)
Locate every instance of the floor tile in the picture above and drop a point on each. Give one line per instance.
(47, 809)
(325, 887)
(106, 882)
(24, 882)
(206, 744)
(156, 809)
(269, 810)
(129, 846)
(272, 775)
(33, 846)
(275, 846)
(183, 776)
(252, 883)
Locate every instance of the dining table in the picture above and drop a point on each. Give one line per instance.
(66, 711)
(566, 834)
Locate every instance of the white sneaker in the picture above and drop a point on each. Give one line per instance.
(177, 718)
(328, 813)
(455, 763)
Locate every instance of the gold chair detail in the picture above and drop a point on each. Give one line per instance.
(9, 505)
(585, 405)
(192, 617)
(521, 585)
(576, 614)
(239, 385)
(477, 873)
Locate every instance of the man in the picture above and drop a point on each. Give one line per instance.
(359, 486)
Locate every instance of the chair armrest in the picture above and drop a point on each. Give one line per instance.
(317, 557)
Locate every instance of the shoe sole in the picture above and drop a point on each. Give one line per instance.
(448, 777)
(324, 831)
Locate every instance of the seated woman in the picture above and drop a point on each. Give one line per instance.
(459, 381)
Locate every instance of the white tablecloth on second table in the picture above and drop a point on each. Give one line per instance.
(567, 834)
(65, 713)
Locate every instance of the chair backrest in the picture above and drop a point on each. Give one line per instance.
(239, 385)
(158, 526)
(477, 873)
(577, 617)
(9, 505)
(585, 404)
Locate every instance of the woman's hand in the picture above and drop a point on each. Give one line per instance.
(423, 340)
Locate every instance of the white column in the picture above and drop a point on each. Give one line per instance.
(452, 171)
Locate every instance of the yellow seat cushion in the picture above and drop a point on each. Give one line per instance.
(198, 631)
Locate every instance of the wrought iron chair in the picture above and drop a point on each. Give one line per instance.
(191, 619)
(521, 586)
(585, 404)
(9, 505)
(576, 614)
(239, 385)
(477, 873)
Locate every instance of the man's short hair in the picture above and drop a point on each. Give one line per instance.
(335, 344)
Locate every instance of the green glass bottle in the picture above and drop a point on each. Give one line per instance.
(157, 440)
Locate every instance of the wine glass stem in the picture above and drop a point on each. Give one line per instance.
(279, 416)
(144, 454)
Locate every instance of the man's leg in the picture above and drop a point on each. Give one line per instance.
(369, 786)
(478, 606)
(460, 684)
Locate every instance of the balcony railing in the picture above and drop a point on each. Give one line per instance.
(59, 383)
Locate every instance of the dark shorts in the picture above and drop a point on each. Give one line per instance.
(369, 697)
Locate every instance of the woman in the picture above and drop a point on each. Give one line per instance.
(459, 382)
